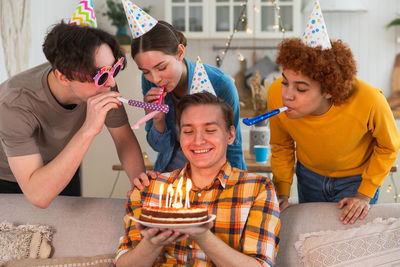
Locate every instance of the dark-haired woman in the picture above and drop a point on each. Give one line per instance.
(340, 128)
(160, 55)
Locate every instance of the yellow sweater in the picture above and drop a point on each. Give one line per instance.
(357, 137)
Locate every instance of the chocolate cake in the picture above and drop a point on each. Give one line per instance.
(173, 215)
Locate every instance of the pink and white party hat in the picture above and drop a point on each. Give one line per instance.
(84, 14)
(315, 33)
(201, 82)
(139, 21)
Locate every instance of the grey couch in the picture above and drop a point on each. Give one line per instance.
(93, 226)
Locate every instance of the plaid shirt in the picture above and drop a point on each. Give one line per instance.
(246, 209)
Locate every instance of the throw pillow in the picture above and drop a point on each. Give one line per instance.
(95, 261)
(24, 241)
(372, 244)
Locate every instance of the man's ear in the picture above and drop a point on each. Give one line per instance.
(61, 78)
(181, 52)
(232, 135)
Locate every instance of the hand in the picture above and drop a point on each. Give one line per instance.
(283, 202)
(196, 231)
(160, 236)
(97, 109)
(142, 179)
(356, 207)
(152, 97)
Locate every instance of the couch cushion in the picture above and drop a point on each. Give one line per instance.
(83, 226)
(372, 244)
(314, 217)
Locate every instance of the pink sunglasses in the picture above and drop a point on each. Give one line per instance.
(102, 76)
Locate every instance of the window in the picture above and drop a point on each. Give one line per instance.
(218, 18)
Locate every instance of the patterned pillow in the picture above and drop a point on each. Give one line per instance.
(24, 241)
(372, 244)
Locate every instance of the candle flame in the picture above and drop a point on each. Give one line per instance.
(169, 201)
(170, 194)
(188, 188)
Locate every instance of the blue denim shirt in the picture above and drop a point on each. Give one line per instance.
(164, 143)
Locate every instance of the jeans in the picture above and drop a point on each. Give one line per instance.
(313, 187)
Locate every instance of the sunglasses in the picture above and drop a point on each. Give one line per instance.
(102, 76)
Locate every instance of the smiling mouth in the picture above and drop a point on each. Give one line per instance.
(201, 151)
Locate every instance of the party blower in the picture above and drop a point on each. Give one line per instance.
(141, 104)
(264, 116)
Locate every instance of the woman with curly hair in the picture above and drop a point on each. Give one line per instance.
(339, 128)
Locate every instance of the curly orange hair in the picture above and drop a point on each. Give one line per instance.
(334, 68)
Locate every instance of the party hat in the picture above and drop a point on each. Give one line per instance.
(200, 81)
(84, 14)
(315, 33)
(139, 21)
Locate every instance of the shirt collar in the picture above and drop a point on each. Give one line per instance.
(221, 178)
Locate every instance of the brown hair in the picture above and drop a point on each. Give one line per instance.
(204, 98)
(334, 68)
(162, 37)
(71, 49)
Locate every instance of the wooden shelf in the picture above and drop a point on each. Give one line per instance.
(250, 160)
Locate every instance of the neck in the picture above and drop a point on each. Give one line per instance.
(324, 108)
(202, 177)
(182, 87)
(59, 91)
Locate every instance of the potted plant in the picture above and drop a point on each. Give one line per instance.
(394, 22)
(116, 14)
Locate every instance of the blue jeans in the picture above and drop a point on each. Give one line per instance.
(313, 187)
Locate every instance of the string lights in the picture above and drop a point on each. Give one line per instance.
(392, 187)
(242, 19)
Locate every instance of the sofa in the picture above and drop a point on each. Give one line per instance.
(93, 226)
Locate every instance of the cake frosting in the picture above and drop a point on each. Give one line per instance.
(173, 215)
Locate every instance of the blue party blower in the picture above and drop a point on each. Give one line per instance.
(264, 116)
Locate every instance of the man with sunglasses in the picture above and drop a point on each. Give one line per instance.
(51, 113)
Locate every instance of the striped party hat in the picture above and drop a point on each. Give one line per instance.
(84, 14)
(201, 82)
(139, 21)
(315, 33)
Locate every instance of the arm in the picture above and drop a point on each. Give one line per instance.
(128, 150)
(220, 253)
(42, 183)
(141, 246)
(145, 254)
(158, 134)
(383, 128)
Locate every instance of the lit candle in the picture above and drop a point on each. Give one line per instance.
(161, 194)
(179, 193)
(188, 188)
(170, 194)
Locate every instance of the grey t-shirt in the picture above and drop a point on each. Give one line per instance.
(32, 121)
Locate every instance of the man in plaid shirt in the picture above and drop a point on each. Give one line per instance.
(245, 231)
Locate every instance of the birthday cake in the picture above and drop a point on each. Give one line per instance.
(173, 215)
